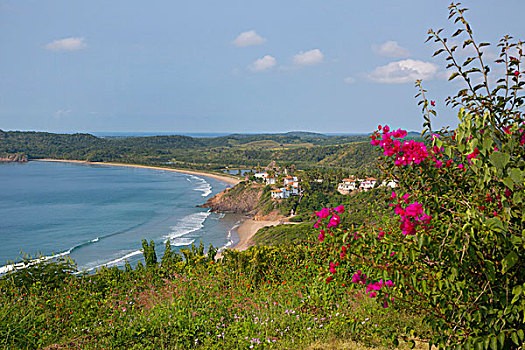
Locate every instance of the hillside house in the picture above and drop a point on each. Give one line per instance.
(367, 184)
(278, 194)
(352, 184)
(348, 185)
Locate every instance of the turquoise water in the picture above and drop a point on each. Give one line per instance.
(98, 215)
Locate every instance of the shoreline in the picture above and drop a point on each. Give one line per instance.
(245, 231)
(248, 228)
(224, 178)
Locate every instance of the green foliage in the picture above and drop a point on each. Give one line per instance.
(150, 256)
(302, 149)
(284, 234)
(266, 297)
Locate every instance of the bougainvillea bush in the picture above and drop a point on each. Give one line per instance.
(453, 248)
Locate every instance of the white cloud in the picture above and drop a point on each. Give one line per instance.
(308, 58)
(67, 44)
(349, 80)
(264, 63)
(249, 38)
(61, 113)
(405, 71)
(391, 49)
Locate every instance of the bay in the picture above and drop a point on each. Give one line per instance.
(99, 214)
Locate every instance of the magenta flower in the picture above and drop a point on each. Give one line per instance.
(334, 221)
(399, 133)
(332, 268)
(389, 283)
(372, 294)
(340, 209)
(375, 286)
(359, 277)
(323, 213)
(415, 209)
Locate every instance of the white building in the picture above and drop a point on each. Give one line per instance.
(348, 185)
(278, 194)
(367, 184)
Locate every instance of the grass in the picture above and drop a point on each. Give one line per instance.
(264, 298)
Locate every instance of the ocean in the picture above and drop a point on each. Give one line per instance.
(99, 214)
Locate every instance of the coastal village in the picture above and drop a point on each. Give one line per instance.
(284, 185)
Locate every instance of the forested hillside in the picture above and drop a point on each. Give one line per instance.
(304, 150)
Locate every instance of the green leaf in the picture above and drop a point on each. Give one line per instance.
(453, 76)
(494, 343)
(514, 338)
(501, 339)
(516, 175)
(516, 291)
(479, 345)
(509, 183)
(499, 159)
(494, 224)
(438, 52)
(468, 60)
(521, 335)
(509, 261)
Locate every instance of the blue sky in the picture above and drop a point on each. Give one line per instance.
(229, 66)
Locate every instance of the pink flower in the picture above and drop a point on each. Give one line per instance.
(392, 254)
(343, 252)
(340, 209)
(332, 268)
(414, 209)
(334, 221)
(461, 166)
(359, 277)
(323, 213)
(433, 103)
(374, 286)
(474, 154)
(389, 284)
(372, 294)
(393, 195)
(380, 235)
(399, 133)
(321, 236)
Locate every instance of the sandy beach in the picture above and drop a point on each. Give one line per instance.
(225, 178)
(248, 229)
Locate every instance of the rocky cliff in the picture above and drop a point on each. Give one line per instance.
(244, 198)
(21, 158)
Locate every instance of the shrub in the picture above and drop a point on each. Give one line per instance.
(454, 250)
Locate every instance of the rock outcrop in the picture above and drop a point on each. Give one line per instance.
(20, 158)
(244, 198)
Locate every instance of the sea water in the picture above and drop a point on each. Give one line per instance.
(99, 214)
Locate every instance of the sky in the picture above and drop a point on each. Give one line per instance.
(330, 66)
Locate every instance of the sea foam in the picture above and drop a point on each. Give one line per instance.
(185, 226)
(202, 185)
